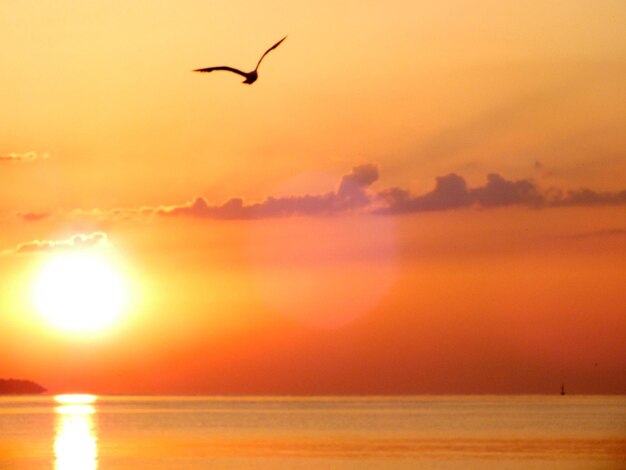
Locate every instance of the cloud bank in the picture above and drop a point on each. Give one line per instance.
(354, 194)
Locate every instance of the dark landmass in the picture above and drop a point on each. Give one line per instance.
(19, 387)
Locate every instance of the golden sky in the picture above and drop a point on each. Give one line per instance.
(414, 197)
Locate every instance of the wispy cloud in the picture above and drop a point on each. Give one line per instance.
(610, 232)
(76, 242)
(588, 197)
(484, 126)
(23, 157)
(33, 216)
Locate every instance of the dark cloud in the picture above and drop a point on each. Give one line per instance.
(501, 192)
(76, 242)
(451, 192)
(351, 195)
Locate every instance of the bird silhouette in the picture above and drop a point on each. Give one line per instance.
(250, 77)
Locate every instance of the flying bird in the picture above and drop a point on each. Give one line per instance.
(250, 77)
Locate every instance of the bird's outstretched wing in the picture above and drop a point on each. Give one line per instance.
(270, 49)
(228, 69)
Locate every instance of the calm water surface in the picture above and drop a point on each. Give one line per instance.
(421, 432)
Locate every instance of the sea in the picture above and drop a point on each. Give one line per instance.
(86, 432)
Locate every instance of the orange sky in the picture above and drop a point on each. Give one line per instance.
(415, 197)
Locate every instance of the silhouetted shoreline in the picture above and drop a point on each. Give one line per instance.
(19, 387)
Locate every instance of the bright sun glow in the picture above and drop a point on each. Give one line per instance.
(75, 399)
(80, 292)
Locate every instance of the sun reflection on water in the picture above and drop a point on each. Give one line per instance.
(75, 442)
(75, 399)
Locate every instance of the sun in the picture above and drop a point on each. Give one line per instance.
(80, 291)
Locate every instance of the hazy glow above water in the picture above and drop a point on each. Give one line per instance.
(75, 441)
